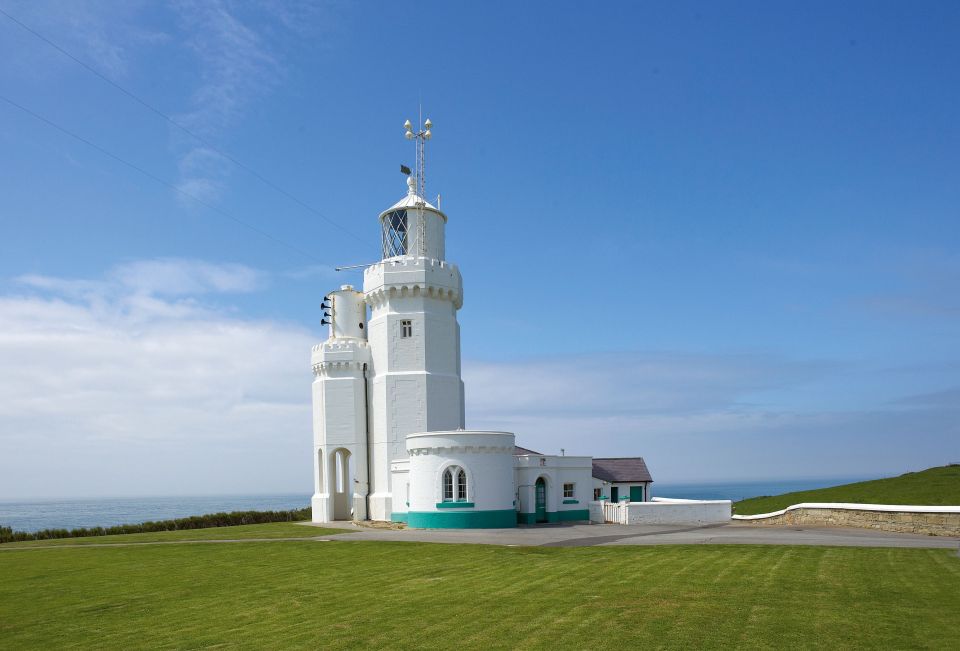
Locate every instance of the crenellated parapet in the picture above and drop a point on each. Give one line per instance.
(412, 276)
(460, 441)
(335, 356)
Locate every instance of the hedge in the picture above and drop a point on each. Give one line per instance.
(231, 519)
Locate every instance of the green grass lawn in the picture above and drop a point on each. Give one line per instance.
(270, 530)
(342, 594)
(935, 486)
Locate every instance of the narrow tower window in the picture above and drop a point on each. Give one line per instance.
(406, 329)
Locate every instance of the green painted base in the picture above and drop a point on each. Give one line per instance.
(572, 515)
(455, 505)
(398, 517)
(462, 519)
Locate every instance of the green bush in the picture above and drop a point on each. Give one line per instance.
(231, 519)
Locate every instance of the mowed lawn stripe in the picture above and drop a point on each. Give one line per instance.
(345, 594)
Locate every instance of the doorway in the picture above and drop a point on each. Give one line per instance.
(615, 494)
(341, 476)
(541, 495)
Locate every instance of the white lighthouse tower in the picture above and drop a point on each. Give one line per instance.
(376, 383)
(413, 294)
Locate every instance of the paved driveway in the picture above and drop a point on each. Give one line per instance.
(585, 535)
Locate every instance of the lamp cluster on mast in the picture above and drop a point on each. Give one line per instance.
(421, 137)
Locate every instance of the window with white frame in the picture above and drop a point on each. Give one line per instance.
(568, 490)
(597, 492)
(454, 484)
(406, 329)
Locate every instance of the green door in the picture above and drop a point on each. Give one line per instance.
(636, 493)
(614, 494)
(541, 488)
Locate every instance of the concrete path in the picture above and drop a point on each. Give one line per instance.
(587, 535)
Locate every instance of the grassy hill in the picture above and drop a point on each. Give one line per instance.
(935, 486)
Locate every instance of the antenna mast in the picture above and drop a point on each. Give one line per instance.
(421, 137)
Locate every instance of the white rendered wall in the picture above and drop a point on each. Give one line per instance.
(348, 313)
(415, 384)
(556, 471)
(339, 422)
(487, 458)
(694, 512)
(400, 483)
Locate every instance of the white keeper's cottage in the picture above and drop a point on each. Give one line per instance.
(388, 403)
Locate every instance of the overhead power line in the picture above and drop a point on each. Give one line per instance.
(181, 127)
(158, 179)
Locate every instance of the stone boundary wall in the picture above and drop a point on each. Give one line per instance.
(899, 518)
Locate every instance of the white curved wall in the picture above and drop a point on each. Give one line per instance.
(487, 458)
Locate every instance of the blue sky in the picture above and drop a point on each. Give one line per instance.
(721, 236)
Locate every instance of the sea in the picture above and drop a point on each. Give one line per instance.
(34, 515)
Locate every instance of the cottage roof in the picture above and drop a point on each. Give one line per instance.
(621, 469)
(520, 451)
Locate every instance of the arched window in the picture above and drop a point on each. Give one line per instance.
(454, 484)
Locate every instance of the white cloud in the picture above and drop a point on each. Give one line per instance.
(706, 416)
(144, 382)
(134, 370)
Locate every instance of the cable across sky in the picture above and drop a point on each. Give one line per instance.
(176, 124)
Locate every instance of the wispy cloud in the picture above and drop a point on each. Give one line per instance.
(109, 36)
(706, 416)
(236, 65)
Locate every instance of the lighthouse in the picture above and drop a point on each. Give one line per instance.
(389, 438)
(413, 294)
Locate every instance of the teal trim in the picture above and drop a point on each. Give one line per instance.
(398, 517)
(603, 497)
(573, 514)
(454, 505)
(503, 519)
(571, 501)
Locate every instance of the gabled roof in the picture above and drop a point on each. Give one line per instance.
(621, 469)
(520, 451)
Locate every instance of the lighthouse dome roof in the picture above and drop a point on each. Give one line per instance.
(413, 201)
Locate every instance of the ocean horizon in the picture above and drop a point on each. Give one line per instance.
(73, 513)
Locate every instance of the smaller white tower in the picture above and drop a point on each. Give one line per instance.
(340, 367)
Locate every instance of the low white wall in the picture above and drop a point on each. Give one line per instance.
(596, 513)
(667, 511)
